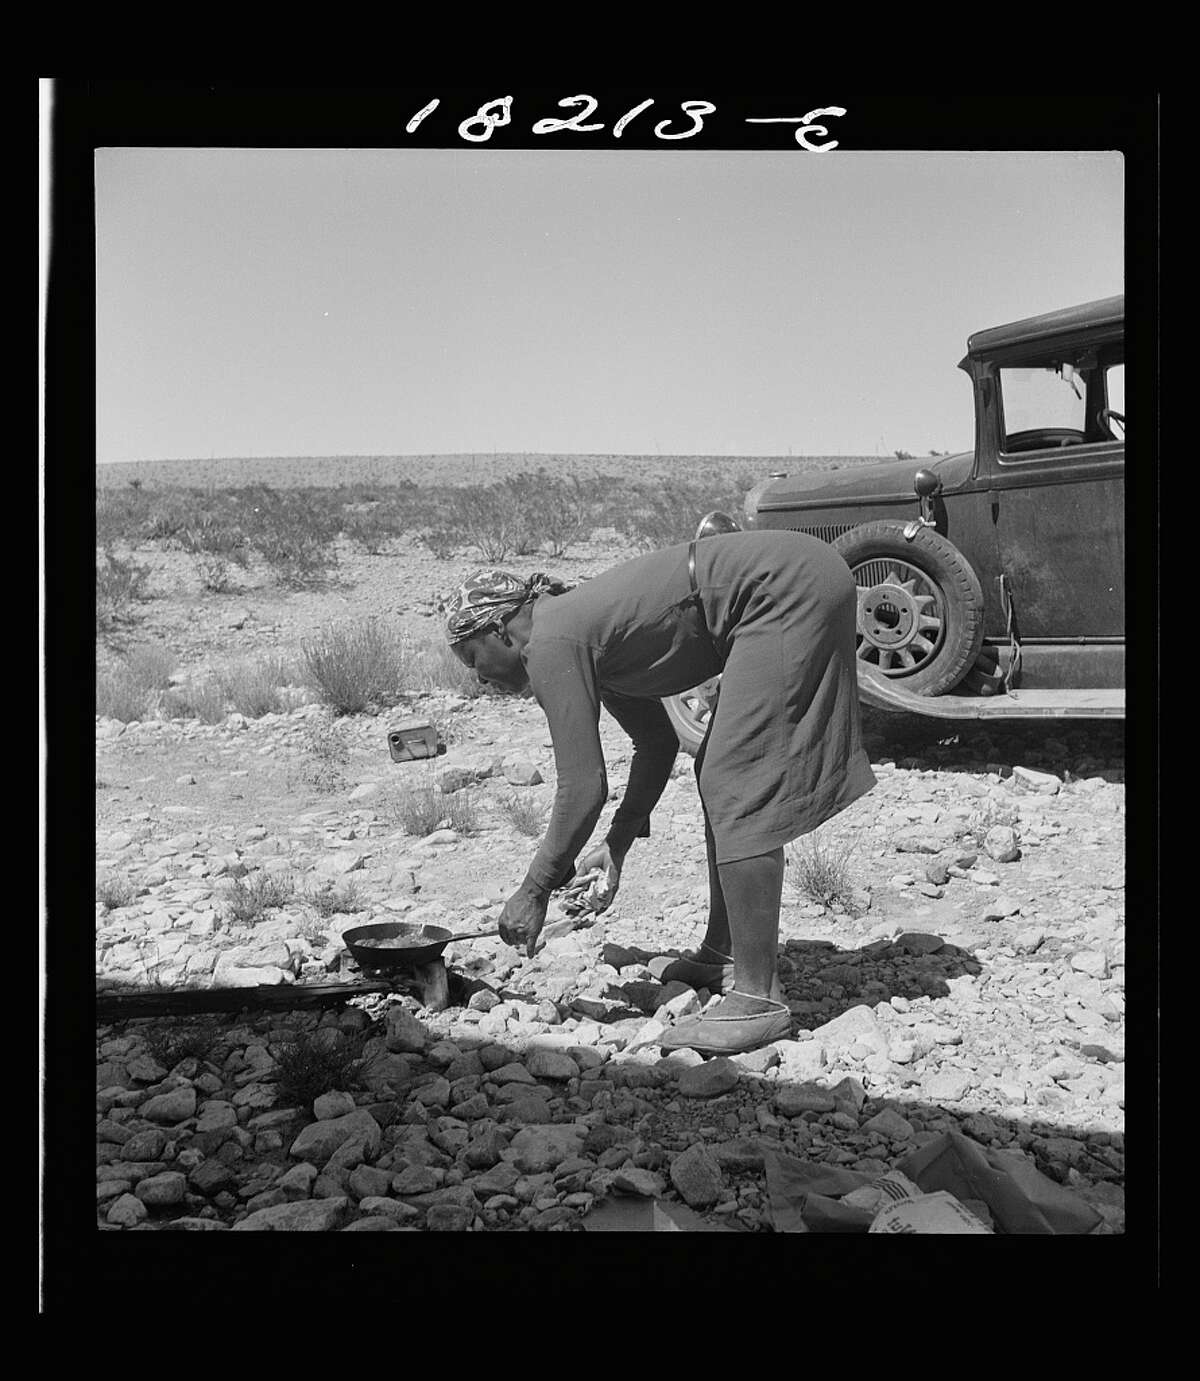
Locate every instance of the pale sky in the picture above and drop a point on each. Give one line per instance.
(275, 302)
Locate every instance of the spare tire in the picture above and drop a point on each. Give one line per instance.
(920, 605)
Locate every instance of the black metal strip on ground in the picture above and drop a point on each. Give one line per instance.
(186, 1001)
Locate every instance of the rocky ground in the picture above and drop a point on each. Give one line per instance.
(969, 980)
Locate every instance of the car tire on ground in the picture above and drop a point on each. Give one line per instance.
(920, 605)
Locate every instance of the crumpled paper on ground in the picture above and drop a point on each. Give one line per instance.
(808, 1196)
(589, 892)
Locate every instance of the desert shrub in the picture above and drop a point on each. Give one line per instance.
(215, 545)
(203, 700)
(820, 872)
(543, 511)
(255, 688)
(487, 519)
(120, 583)
(565, 513)
(332, 900)
(357, 666)
(171, 1044)
(656, 514)
(326, 755)
(113, 892)
(310, 1065)
(131, 687)
(524, 812)
(442, 542)
(373, 526)
(293, 530)
(248, 899)
(120, 516)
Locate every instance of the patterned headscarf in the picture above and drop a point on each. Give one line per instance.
(491, 596)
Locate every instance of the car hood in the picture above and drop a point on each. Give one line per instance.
(888, 479)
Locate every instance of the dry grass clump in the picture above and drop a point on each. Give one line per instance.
(120, 584)
(203, 700)
(326, 754)
(358, 666)
(524, 812)
(114, 892)
(419, 810)
(171, 1044)
(330, 899)
(249, 899)
(312, 1064)
(131, 687)
(820, 872)
(259, 686)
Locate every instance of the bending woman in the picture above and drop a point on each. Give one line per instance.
(774, 613)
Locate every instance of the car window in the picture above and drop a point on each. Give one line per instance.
(1041, 404)
(1062, 400)
(1114, 387)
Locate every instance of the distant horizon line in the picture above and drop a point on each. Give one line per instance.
(459, 455)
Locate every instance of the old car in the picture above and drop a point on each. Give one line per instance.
(991, 583)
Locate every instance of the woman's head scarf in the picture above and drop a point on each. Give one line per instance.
(490, 597)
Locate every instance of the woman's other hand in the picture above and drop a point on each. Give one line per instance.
(608, 864)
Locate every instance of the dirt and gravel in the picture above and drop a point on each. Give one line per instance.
(969, 979)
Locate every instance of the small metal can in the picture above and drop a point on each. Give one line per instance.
(412, 738)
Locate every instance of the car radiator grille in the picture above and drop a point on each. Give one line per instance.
(830, 532)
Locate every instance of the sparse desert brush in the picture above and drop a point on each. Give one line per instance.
(524, 812)
(312, 1064)
(256, 687)
(548, 512)
(202, 699)
(130, 688)
(294, 531)
(333, 899)
(357, 666)
(120, 583)
(488, 518)
(419, 810)
(820, 872)
(442, 542)
(248, 899)
(374, 526)
(215, 545)
(113, 892)
(169, 1044)
(326, 754)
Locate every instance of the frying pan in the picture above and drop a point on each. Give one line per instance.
(418, 944)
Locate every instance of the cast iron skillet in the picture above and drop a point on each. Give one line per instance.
(421, 944)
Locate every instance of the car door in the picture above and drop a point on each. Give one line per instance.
(1057, 490)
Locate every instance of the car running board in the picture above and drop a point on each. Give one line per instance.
(883, 694)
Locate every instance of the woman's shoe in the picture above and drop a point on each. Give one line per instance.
(698, 972)
(734, 1024)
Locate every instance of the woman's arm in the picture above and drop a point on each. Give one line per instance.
(655, 746)
(562, 676)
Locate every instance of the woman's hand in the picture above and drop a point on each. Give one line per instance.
(608, 862)
(522, 919)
